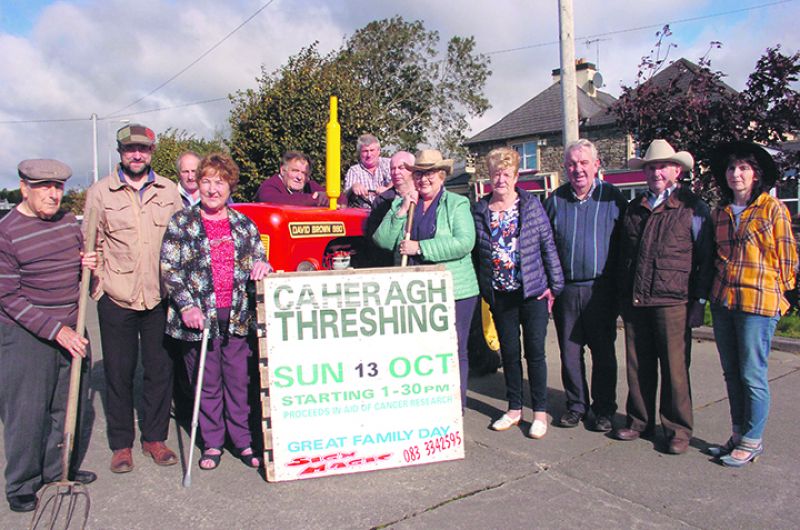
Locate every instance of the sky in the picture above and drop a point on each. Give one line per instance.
(61, 61)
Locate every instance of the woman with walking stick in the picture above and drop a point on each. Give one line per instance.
(442, 231)
(208, 255)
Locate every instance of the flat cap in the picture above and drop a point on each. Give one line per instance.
(135, 133)
(43, 170)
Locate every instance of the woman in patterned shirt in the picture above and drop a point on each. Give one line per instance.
(755, 264)
(208, 255)
(519, 276)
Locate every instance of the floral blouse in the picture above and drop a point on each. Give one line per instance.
(186, 272)
(505, 248)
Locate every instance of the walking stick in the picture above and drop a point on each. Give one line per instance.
(407, 237)
(55, 494)
(201, 369)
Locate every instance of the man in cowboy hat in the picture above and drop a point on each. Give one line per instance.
(664, 275)
(40, 268)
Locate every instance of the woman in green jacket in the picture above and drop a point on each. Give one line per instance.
(442, 232)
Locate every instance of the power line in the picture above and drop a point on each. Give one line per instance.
(157, 109)
(111, 118)
(116, 113)
(640, 28)
(53, 120)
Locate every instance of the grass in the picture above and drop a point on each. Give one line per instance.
(788, 326)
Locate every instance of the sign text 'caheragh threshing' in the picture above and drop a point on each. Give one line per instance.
(363, 371)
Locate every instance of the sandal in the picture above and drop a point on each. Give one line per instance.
(249, 458)
(718, 451)
(753, 450)
(210, 456)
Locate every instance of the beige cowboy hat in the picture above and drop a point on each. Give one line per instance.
(661, 151)
(429, 160)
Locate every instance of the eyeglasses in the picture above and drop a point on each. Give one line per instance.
(430, 176)
(224, 240)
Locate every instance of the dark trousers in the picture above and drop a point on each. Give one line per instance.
(586, 315)
(224, 397)
(464, 311)
(659, 336)
(510, 310)
(124, 333)
(34, 384)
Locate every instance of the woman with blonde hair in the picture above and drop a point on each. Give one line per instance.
(519, 276)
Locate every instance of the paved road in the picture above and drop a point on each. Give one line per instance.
(572, 478)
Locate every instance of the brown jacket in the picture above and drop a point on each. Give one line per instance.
(666, 254)
(129, 233)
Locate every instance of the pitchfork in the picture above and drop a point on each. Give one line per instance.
(60, 501)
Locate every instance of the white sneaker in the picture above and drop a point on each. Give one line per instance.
(538, 429)
(505, 422)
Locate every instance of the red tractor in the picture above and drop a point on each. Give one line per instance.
(298, 238)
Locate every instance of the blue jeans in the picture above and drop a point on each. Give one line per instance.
(743, 341)
(510, 310)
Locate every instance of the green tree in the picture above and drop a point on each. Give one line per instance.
(74, 201)
(695, 110)
(12, 196)
(172, 142)
(391, 81)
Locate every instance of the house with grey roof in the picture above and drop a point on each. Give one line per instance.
(534, 129)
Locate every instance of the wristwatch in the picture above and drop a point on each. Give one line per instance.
(419, 250)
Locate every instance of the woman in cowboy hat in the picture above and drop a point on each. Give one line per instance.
(442, 232)
(520, 276)
(756, 259)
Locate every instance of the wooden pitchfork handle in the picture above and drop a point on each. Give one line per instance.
(407, 237)
(75, 368)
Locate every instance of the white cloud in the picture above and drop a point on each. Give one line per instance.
(99, 55)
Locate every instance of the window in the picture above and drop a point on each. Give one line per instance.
(528, 158)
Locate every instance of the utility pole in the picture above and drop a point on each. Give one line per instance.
(94, 148)
(569, 85)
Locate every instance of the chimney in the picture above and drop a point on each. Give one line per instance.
(584, 76)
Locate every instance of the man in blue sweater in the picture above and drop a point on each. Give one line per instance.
(585, 214)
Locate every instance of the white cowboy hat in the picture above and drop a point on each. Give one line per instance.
(430, 159)
(661, 151)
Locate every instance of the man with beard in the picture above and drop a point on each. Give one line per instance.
(133, 207)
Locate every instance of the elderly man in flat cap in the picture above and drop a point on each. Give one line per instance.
(40, 265)
(664, 277)
(133, 208)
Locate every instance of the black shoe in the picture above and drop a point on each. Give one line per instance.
(602, 424)
(83, 477)
(570, 419)
(22, 503)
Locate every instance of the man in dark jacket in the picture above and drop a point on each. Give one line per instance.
(664, 276)
(293, 184)
(585, 214)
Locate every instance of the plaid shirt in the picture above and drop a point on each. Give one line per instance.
(756, 262)
(371, 181)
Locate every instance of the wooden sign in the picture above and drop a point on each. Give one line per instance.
(359, 371)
